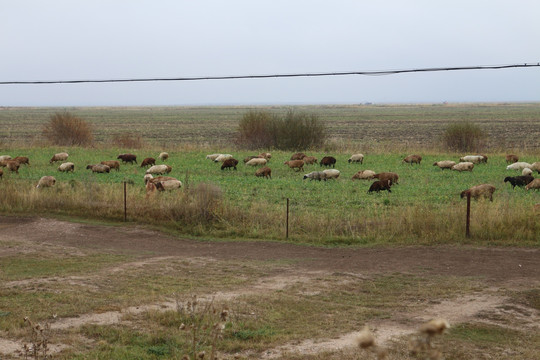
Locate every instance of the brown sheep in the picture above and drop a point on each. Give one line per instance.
(413, 159)
(22, 160)
(484, 158)
(310, 160)
(246, 159)
(148, 162)
(128, 158)
(364, 175)
(533, 185)
(384, 176)
(13, 166)
(511, 158)
(328, 161)
(1, 172)
(445, 164)
(266, 155)
(298, 156)
(113, 164)
(380, 186)
(150, 188)
(295, 164)
(480, 191)
(229, 163)
(264, 172)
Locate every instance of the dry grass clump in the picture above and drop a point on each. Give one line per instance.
(128, 141)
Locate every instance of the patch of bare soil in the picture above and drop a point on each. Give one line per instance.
(499, 267)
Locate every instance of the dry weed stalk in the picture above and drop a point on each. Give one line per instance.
(39, 341)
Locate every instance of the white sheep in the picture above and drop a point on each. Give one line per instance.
(5, 157)
(445, 164)
(315, 175)
(364, 175)
(534, 185)
(147, 178)
(67, 166)
(99, 168)
(223, 157)
(526, 171)
(46, 181)
(357, 158)
(463, 166)
(168, 184)
(159, 169)
(475, 159)
(163, 156)
(59, 157)
(331, 173)
(519, 166)
(212, 156)
(256, 162)
(535, 167)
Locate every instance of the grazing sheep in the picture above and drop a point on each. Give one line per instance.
(150, 188)
(463, 166)
(519, 180)
(484, 158)
(445, 164)
(59, 157)
(5, 157)
(168, 185)
(3, 163)
(519, 166)
(163, 156)
(13, 166)
(357, 158)
(331, 173)
(535, 167)
(328, 161)
(298, 156)
(99, 168)
(22, 160)
(511, 158)
(534, 185)
(526, 171)
(264, 171)
(159, 169)
(364, 175)
(149, 161)
(223, 157)
(212, 156)
(1, 172)
(256, 162)
(385, 176)
(480, 191)
(161, 179)
(246, 159)
(128, 158)
(230, 163)
(380, 186)
(67, 166)
(295, 164)
(147, 178)
(46, 181)
(475, 159)
(266, 155)
(413, 159)
(315, 175)
(113, 164)
(309, 160)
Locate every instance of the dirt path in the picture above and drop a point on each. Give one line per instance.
(499, 267)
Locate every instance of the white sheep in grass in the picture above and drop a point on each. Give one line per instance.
(168, 184)
(67, 166)
(46, 181)
(315, 175)
(526, 171)
(445, 164)
(212, 156)
(331, 173)
(159, 169)
(5, 157)
(519, 166)
(533, 185)
(356, 158)
(256, 162)
(475, 159)
(463, 166)
(223, 157)
(163, 156)
(535, 167)
(364, 175)
(59, 157)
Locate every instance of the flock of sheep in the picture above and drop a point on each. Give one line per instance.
(384, 180)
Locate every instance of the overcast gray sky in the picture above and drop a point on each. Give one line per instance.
(103, 39)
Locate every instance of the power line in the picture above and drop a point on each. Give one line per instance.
(320, 74)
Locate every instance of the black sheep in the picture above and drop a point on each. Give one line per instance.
(380, 186)
(229, 163)
(128, 158)
(519, 180)
(328, 161)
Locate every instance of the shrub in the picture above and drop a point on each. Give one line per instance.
(128, 141)
(67, 129)
(293, 131)
(464, 136)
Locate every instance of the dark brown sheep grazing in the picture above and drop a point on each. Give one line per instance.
(128, 158)
(380, 186)
(519, 180)
(148, 162)
(295, 164)
(22, 160)
(113, 164)
(13, 166)
(384, 176)
(413, 159)
(298, 156)
(480, 191)
(309, 160)
(1, 172)
(328, 161)
(229, 163)
(264, 172)
(511, 158)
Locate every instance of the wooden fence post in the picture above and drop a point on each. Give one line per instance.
(287, 222)
(468, 222)
(125, 202)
